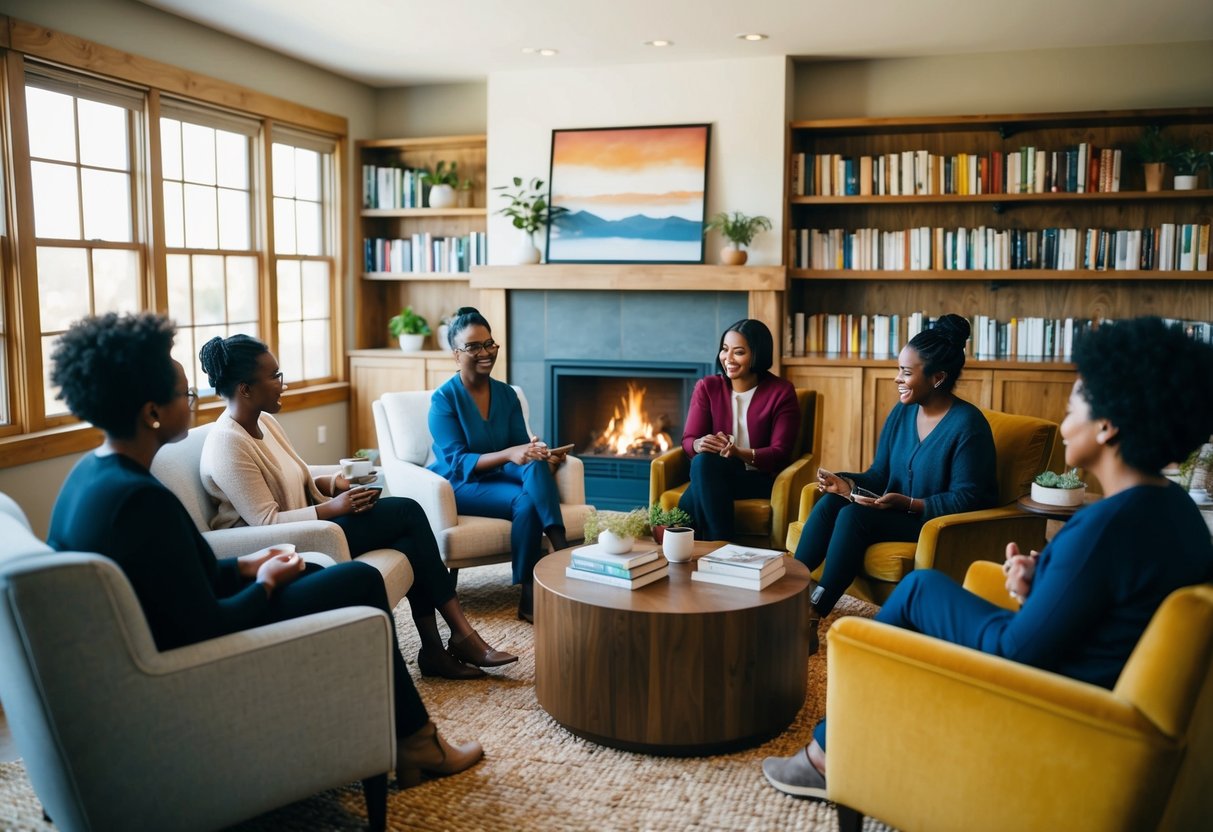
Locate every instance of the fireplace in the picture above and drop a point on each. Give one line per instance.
(618, 414)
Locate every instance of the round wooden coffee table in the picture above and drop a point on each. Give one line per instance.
(677, 667)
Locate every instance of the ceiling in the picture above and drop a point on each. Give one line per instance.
(388, 43)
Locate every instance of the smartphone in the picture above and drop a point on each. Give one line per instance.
(563, 449)
(860, 491)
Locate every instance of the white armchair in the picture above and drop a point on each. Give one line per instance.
(118, 735)
(177, 466)
(406, 447)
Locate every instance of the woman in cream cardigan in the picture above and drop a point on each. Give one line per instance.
(256, 478)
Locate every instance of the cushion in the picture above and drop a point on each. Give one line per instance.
(1022, 445)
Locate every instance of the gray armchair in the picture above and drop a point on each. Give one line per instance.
(117, 735)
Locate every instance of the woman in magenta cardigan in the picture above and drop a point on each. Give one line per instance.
(739, 431)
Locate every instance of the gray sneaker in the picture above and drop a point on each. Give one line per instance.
(796, 775)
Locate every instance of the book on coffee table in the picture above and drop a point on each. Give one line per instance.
(602, 568)
(758, 581)
(745, 561)
(611, 580)
(628, 560)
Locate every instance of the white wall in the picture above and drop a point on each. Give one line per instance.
(744, 100)
(431, 110)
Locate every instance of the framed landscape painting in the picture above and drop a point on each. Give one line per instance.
(630, 194)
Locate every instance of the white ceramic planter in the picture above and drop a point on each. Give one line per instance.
(443, 196)
(440, 341)
(412, 343)
(527, 253)
(1185, 183)
(614, 544)
(1059, 496)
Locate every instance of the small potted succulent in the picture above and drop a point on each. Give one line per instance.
(616, 531)
(1153, 151)
(410, 328)
(1188, 162)
(1056, 489)
(740, 230)
(442, 181)
(660, 519)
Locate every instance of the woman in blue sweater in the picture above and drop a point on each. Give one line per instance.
(1087, 598)
(935, 456)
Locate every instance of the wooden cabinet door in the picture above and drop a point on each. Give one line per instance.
(842, 389)
(370, 378)
(1040, 393)
(880, 394)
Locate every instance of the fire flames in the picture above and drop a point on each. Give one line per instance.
(629, 432)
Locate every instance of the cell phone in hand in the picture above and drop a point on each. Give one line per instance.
(860, 491)
(563, 449)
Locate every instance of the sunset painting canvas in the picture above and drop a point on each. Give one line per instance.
(632, 194)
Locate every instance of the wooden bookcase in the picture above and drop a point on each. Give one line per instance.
(855, 387)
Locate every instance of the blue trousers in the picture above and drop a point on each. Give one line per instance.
(525, 495)
(839, 532)
(715, 483)
(933, 604)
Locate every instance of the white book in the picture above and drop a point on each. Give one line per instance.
(740, 571)
(611, 580)
(750, 557)
(740, 583)
(593, 551)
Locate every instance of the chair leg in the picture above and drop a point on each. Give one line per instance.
(849, 820)
(454, 577)
(374, 789)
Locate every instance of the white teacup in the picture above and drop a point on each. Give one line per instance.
(354, 467)
(678, 543)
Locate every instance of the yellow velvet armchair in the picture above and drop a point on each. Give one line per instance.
(1024, 446)
(757, 522)
(926, 735)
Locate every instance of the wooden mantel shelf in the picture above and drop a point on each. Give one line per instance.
(631, 277)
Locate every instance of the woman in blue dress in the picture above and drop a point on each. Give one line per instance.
(481, 445)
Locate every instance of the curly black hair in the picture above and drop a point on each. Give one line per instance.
(942, 347)
(762, 345)
(465, 316)
(1152, 382)
(229, 362)
(107, 368)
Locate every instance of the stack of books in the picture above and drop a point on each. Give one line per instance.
(630, 571)
(741, 566)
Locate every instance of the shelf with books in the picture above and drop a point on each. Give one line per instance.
(996, 275)
(1003, 199)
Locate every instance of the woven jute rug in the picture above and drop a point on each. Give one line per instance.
(536, 775)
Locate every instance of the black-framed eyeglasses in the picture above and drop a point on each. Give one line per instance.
(477, 347)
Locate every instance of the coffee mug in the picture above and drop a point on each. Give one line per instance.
(678, 543)
(355, 467)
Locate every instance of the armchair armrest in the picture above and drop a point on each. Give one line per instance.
(789, 485)
(953, 541)
(925, 734)
(432, 492)
(570, 481)
(307, 535)
(985, 580)
(667, 471)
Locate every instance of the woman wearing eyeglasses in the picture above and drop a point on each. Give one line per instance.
(481, 445)
(254, 475)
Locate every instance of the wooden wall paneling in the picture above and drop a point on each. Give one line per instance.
(373, 373)
(1040, 393)
(842, 387)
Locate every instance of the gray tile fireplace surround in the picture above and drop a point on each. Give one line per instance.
(606, 325)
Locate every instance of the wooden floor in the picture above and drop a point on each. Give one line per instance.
(8, 751)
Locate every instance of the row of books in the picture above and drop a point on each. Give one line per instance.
(1029, 170)
(425, 252)
(1165, 247)
(392, 186)
(730, 565)
(883, 336)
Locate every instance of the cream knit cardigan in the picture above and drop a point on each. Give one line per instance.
(245, 480)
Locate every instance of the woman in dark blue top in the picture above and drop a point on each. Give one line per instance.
(1087, 598)
(117, 372)
(481, 445)
(935, 456)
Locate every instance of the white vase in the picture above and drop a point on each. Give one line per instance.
(443, 196)
(614, 544)
(1059, 496)
(1185, 183)
(526, 253)
(411, 343)
(440, 342)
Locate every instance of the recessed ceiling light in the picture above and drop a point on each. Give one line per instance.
(659, 43)
(547, 53)
(752, 36)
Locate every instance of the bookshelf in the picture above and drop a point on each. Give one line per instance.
(858, 388)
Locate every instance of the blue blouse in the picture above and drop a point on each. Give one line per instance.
(951, 471)
(461, 434)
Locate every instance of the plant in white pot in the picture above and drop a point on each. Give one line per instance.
(1188, 162)
(410, 328)
(529, 211)
(442, 181)
(1055, 489)
(616, 531)
(740, 230)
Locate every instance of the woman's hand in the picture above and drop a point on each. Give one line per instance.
(712, 443)
(279, 570)
(355, 500)
(889, 500)
(340, 485)
(247, 565)
(830, 483)
(532, 451)
(1020, 570)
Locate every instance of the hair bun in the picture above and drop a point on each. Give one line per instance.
(954, 328)
(466, 310)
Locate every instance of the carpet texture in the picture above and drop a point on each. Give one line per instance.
(536, 775)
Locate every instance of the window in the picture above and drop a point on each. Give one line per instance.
(82, 142)
(303, 246)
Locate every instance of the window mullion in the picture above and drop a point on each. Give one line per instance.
(269, 260)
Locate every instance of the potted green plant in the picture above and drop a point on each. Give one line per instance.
(1153, 151)
(1194, 473)
(410, 328)
(616, 531)
(740, 230)
(660, 519)
(529, 211)
(442, 182)
(464, 193)
(1056, 489)
(1187, 162)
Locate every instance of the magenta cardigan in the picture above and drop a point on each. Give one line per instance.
(773, 418)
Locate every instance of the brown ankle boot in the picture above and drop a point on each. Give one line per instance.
(426, 752)
(441, 663)
(473, 650)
